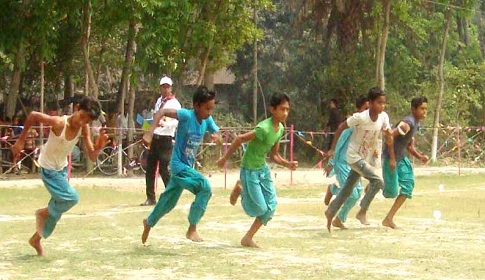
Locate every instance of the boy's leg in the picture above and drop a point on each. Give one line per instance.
(167, 201)
(258, 200)
(375, 185)
(388, 220)
(347, 206)
(197, 184)
(247, 240)
(235, 193)
(405, 179)
(64, 197)
(342, 196)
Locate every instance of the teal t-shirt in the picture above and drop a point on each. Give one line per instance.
(257, 148)
(190, 134)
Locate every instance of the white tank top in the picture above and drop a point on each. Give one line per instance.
(53, 154)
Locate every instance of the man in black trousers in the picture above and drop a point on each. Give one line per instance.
(161, 146)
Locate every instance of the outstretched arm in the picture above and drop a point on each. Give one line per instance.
(34, 118)
(171, 113)
(236, 143)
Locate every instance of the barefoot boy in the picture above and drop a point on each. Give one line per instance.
(65, 133)
(256, 186)
(342, 169)
(403, 175)
(362, 144)
(191, 129)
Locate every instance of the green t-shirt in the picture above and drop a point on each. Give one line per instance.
(257, 148)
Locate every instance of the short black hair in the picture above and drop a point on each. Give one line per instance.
(360, 101)
(417, 101)
(375, 93)
(334, 101)
(278, 98)
(90, 105)
(202, 95)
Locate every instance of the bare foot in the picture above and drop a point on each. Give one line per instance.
(236, 192)
(248, 242)
(362, 217)
(389, 223)
(338, 223)
(34, 241)
(146, 231)
(193, 235)
(329, 220)
(328, 195)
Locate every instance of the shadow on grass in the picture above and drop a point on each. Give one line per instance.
(30, 258)
(152, 251)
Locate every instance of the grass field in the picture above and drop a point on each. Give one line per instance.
(100, 237)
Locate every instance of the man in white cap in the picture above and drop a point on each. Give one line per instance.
(161, 145)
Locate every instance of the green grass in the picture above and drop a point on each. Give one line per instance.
(100, 237)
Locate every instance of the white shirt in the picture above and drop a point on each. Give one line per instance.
(365, 137)
(53, 154)
(168, 125)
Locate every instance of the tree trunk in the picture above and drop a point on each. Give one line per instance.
(254, 73)
(209, 79)
(130, 50)
(91, 80)
(203, 65)
(13, 93)
(42, 74)
(131, 114)
(383, 42)
(436, 121)
(480, 32)
(68, 83)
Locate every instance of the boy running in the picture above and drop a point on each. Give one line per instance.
(368, 125)
(341, 169)
(64, 134)
(191, 129)
(258, 194)
(403, 175)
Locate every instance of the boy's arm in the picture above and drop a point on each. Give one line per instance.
(340, 128)
(33, 119)
(389, 137)
(101, 141)
(418, 155)
(276, 158)
(236, 143)
(171, 113)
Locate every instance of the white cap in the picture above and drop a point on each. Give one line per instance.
(166, 80)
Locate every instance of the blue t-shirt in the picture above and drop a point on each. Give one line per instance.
(190, 134)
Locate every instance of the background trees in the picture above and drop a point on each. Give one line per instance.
(313, 50)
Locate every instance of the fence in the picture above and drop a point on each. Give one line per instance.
(457, 146)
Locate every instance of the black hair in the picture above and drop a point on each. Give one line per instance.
(360, 101)
(90, 105)
(375, 93)
(417, 101)
(278, 98)
(202, 95)
(334, 101)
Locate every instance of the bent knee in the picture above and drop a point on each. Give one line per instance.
(390, 193)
